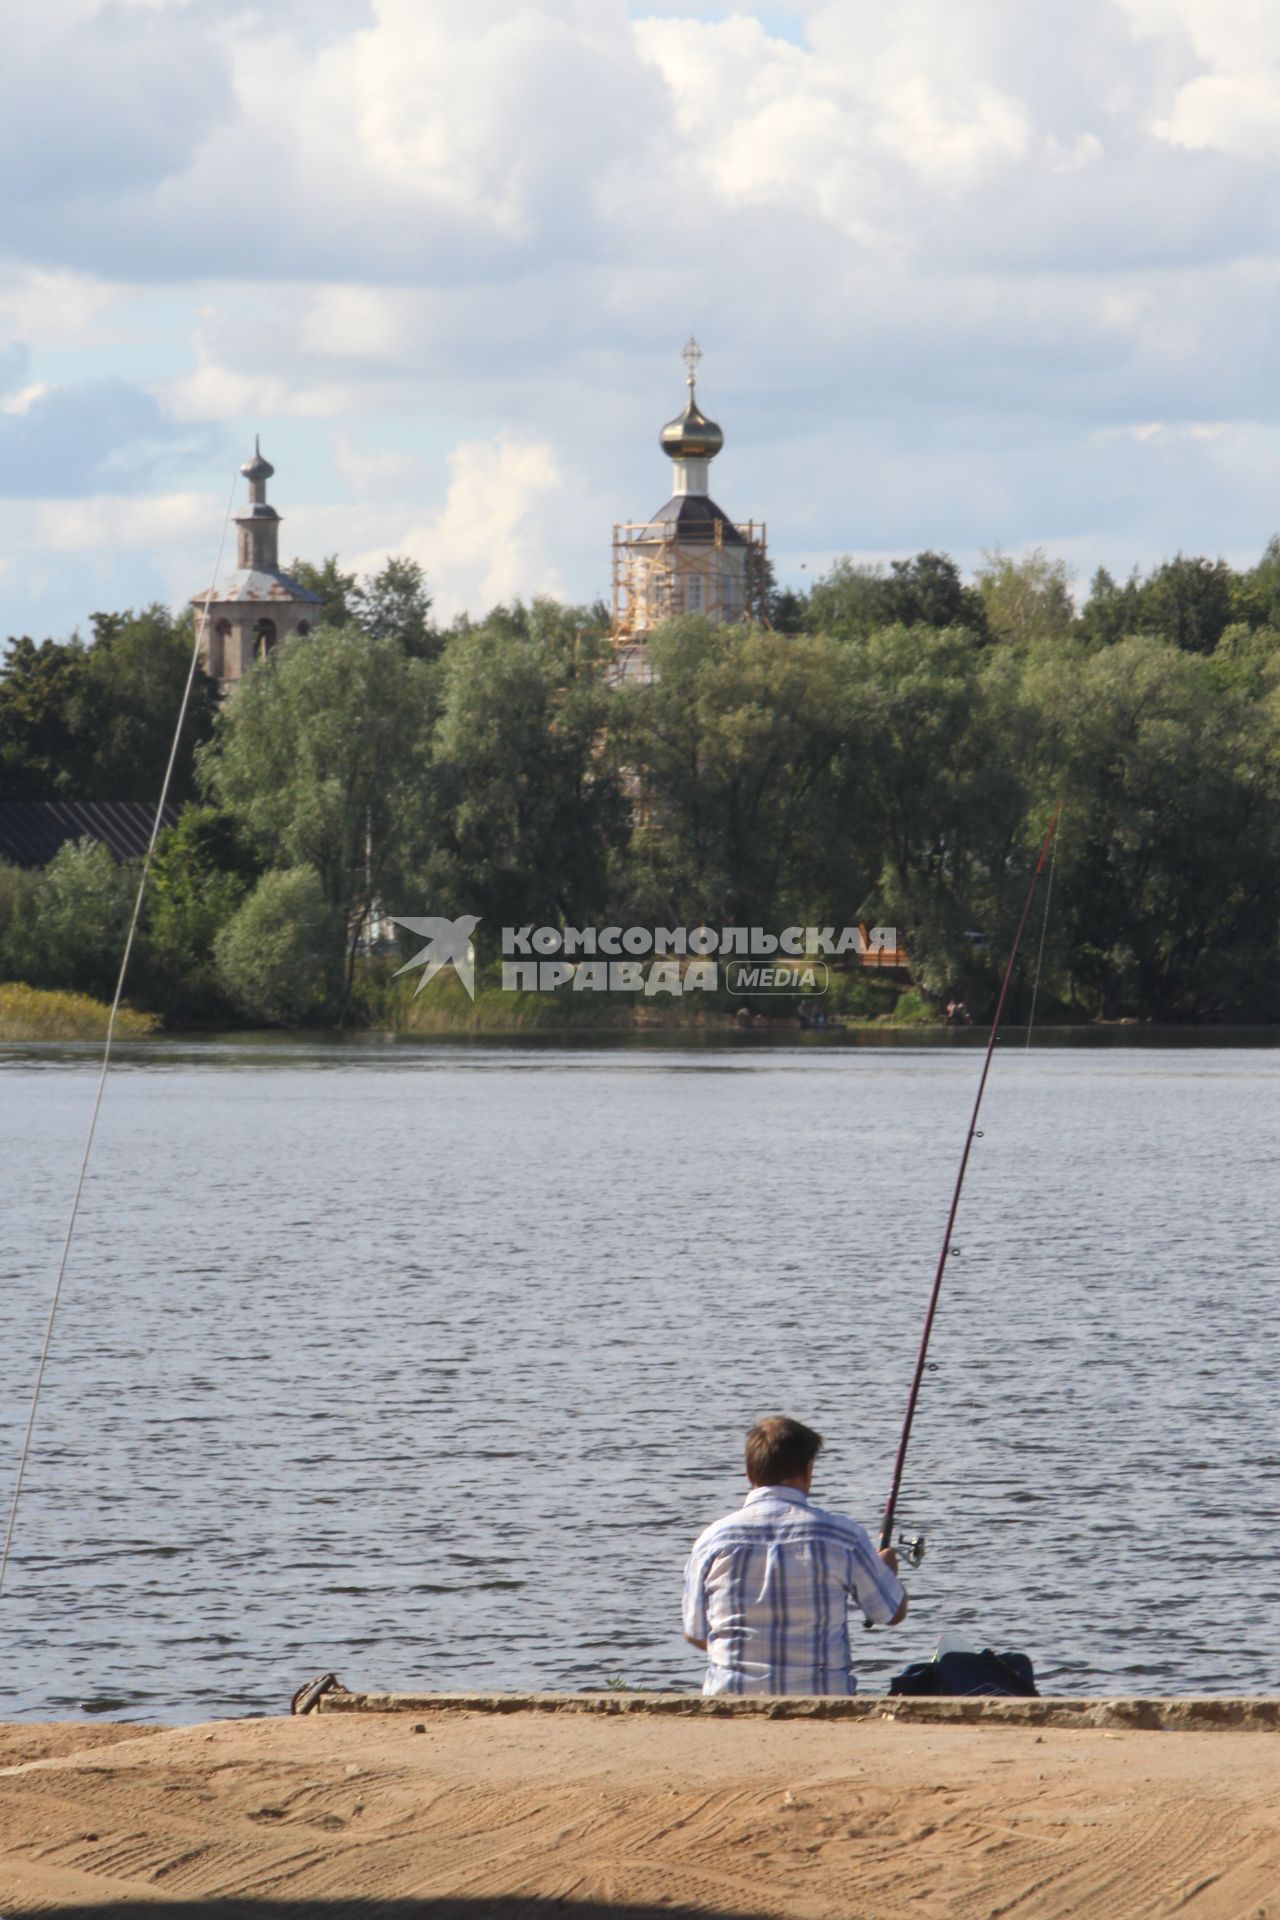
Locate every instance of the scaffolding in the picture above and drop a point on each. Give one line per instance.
(661, 570)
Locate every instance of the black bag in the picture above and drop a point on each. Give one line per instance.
(999, 1675)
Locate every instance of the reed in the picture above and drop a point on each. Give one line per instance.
(31, 1013)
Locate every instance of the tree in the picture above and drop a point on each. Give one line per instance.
(394, 604)
(17, 897)
(200, 874)
(927, 590)
(784, 608)
(523, 808)
(278, 957)
(1255, 595)
(97, 722)
(339, 592)
(130, 699)
(1170, 841)
(1188, 603)
(788, 609)
(70, 933)
(849, 600)
(935, 792)
(391, 604)
(1111, 611)
(1026, 600)
(729, 752)
(43, 755)
(320, 756)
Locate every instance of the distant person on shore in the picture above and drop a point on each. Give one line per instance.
(767, 1589)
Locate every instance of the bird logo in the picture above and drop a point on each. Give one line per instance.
(448, 944)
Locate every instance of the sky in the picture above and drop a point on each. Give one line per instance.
(967, 274)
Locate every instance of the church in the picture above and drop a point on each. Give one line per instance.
(690, 558)
(253, 608)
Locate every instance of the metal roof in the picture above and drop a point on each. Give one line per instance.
(31, 831)
(694, 517)
(252, 584)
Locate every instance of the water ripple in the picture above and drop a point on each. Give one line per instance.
(427, 1364)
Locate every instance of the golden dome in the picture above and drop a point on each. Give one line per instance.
(691, 436)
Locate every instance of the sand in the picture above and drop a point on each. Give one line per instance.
(523, 1814)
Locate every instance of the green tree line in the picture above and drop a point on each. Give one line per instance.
(889, 749)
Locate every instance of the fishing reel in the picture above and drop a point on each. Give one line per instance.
(911, 1547)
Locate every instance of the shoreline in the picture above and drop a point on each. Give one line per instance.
(29, 1016)
(1045, 1035)
(446, 1813)
(1170, 1713)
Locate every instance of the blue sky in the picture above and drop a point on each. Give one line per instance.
(967, 274)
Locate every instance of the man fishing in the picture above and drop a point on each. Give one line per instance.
(767, 1589)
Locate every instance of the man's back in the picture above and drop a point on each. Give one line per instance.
(768, 1590)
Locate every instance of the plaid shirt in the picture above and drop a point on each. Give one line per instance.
(768, 1588)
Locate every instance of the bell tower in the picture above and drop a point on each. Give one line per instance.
(258, 529)
(254, 608)
(690, 558)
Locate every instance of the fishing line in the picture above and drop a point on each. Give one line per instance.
(1009, 1123)
(890, 1505)
(915, 1548)
(1044, 930)
(156, 824)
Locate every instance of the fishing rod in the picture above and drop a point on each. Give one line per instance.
(24, 1452)
(915, 1545)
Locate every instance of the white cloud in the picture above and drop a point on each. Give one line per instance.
(211, 390)
(107, 522)
(22, 399)
(763, 116)
(52, 306)
(98, 104)
(120, 552)
(380, 472)
(946, 261)
(1232, 33)
(359, 323)
(1231, 104)
(1232, 113)
(489, 541)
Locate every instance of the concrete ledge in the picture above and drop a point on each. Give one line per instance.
(1198, 1714)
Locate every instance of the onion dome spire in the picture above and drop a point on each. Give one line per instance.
(691, 436)
(257, 472)
(257, 468)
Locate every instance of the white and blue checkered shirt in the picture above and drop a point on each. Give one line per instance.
(768, 1588)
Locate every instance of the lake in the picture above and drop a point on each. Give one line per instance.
(426, 1362)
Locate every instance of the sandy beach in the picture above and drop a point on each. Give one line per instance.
(523, 1814)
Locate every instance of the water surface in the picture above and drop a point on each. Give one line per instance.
(427, 1362)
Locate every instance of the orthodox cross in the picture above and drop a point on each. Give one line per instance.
(691, 355)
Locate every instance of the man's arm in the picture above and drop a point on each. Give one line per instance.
(874, 1582)
(890, 1559)
(695, 1623)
